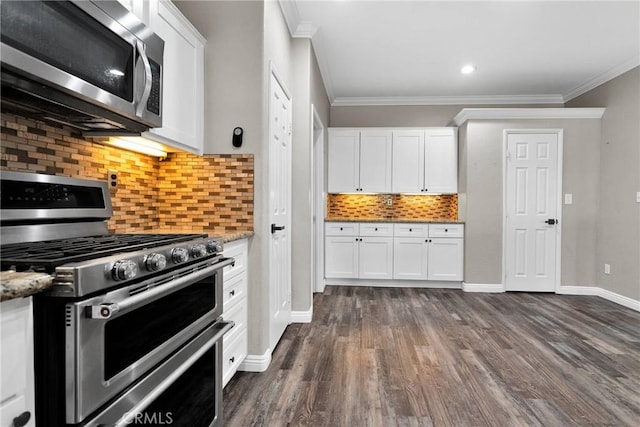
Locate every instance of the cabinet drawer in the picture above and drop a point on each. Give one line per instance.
(411, 230)
(238, 315)
(238, 251)
(341, 228)
(376, 229)
(234, 290)
(446, 230)
(233, 354)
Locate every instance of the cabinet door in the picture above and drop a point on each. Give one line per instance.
(344, 155)
(410, 258)
(182, 81)
(376, 258)
(441, 161)
(375, 161)
(445, 259)
(17, 392)
(408, 162)
(341, 257)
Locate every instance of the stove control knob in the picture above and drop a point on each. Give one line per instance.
(124, 270)
(198, 251)
(155, 262)
(179, 255)
(214, 246)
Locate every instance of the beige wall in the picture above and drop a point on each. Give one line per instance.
(482, 181)
(403, 115)
(618, 230)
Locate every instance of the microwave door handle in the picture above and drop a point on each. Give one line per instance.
(148, 80)
(109, 310)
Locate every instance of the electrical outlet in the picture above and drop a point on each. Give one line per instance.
(568, 199)
(389, 201)
(112, 177)
(607, 269)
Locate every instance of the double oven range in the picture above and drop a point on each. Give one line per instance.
(131, 331)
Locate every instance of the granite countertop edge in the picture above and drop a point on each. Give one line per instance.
(232, 237)
(397, 220)
(21, 285)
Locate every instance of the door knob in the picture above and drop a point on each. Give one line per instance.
(551, 221)
(275, 228)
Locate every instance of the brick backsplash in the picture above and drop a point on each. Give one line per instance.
(183, 193)
(404, 207)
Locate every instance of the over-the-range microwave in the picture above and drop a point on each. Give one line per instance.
(91, 65)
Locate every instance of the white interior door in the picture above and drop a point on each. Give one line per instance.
(532, 229)
(279, 209)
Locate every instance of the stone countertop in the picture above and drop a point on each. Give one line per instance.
(233, 236)
(20, 285)
(396, 220)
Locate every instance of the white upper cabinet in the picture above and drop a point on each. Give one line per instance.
(441, 161)
(182, 78)
(392, 160)
(344, 161)
(360, 161)
(408, 162)
(425, 161)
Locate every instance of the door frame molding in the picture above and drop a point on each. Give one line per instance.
(559, 196)
(318, 202)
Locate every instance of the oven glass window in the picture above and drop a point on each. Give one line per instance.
(191, 400)
(133, 335)
(61, 34)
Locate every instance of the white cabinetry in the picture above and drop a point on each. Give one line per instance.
(183, 74)
(407, 251)
(358, 251)
(17, 402)
(425, 161)
(234, 343)
(359, 161)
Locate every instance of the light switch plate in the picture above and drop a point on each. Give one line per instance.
(607, 269)
(568, 199)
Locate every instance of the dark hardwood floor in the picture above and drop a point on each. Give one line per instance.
(422, 357)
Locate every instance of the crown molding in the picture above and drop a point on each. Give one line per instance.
(448, 100)
(525, 114)
(602, 78)
(297, 27)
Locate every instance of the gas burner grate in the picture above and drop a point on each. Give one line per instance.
(47, 255)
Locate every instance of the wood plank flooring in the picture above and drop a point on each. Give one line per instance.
(439, 357)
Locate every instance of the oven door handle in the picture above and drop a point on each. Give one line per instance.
(223, 326)
(108, 310)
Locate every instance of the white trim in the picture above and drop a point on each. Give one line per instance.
(560, 134)
(483, 287)
(447, 100)
(318, 201)
(256, 363)
(302, 316)
(602, 78)
(525, 114)
(325, 68)
(600, 292)
(424, 284)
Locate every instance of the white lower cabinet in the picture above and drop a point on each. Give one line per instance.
(234, 343)
(406, 251)
(17, 403)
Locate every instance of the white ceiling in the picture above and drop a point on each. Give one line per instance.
(410, 52)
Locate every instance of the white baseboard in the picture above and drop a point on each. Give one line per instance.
(302, 316)
(256, 363)
(483, 287)
(602, 293)
(424, 284)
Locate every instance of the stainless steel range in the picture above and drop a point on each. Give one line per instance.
(131, 331)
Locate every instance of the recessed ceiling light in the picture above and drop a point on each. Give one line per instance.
(468, 69)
